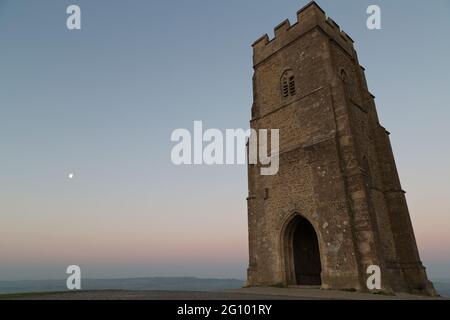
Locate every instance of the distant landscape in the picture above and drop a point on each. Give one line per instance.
(155, 283)
(442, 286)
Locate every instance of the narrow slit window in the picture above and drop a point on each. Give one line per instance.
(285, 88)
(288, 84)
(292, 85)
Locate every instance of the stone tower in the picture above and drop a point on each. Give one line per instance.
(336, 205)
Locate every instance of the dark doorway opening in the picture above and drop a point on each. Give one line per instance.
(306, 253)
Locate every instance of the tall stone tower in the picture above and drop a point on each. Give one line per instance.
(336, 205)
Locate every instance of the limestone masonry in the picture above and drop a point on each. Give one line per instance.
(336, 205)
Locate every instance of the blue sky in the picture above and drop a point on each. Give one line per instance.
(102, 102)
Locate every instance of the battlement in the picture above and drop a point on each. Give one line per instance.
(308, 18)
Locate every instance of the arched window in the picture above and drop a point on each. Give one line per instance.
(288, 84)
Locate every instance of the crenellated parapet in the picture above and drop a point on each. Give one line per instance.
(309, 17)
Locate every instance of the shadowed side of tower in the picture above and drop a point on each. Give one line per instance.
(336, 205)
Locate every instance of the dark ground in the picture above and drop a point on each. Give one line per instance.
(260, 293)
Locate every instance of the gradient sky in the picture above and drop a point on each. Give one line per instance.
(102, 103)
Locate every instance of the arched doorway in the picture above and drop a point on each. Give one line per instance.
(303, 266)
